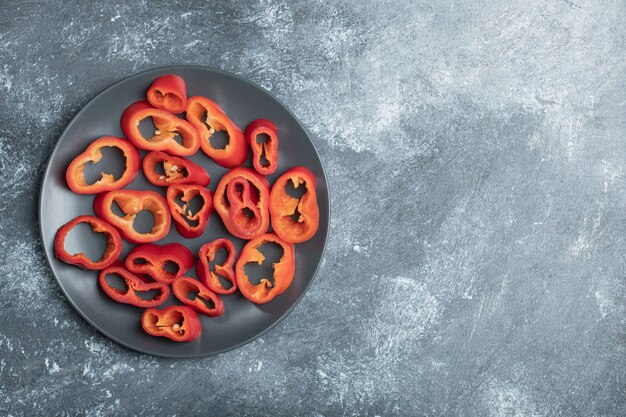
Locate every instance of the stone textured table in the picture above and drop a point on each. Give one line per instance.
(476, 154)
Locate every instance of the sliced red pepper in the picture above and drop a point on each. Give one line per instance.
(284, 269)
(236, 151)
(176, 170)
(152, 260)
(241, 199)
(188, 224)
(206, 255)
(131, 202)
(110, 255)
(184, 287)
(75, 174)
(178, 323)
(168, 92)
(267, 150)
(134, 287)
(295, 220)
(167, 126)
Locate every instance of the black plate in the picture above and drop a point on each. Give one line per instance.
(242, 320)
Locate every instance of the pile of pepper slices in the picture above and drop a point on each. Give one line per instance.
(243, 199)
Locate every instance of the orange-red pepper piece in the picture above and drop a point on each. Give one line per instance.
(184, 287)
(178, 323)
(284, 270)
(131, 202)
(241, 199)
(153, 260)
(235, 152)
(168, 92)
(176, 170)
(134, 287)
(168, 126)
(295, 220)
(206, 255)
(268, 149)
(110, 255)
(188, 224)
(75, 174)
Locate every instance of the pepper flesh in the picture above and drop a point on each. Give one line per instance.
(235, 152)
(176, 170)
(183, 287)
(110, 255)
(284, 270)
(134, 286)
(131, 202)
(151, 259)
(178, 323)
(168, 92)
(241, 199)
(268, 149)
(283, 207)
(206, 255)
(167, 126)
(189, 224)
(75, 174)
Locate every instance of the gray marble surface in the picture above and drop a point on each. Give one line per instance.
(476, 154)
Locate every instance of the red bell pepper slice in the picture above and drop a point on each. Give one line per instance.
(152, 260)
(175, 170)
(188, 224)
(269, 149)
(169, 93)
(167, 126)
(134, 287)
(206, 255)
(178, 323)
(284, 270)
(110, 255)
(241, 199)
(236, 151)
(75, 174)
(184, 287)
(131, 202)
(295, 220)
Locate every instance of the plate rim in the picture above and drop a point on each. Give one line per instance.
(49, 256)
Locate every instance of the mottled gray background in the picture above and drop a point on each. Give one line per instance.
(476, 155)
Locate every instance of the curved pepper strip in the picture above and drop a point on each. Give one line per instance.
(236, 151)
(134, 286)
(184, 287)
(167, 127)
(188, 224)
(206, 255)
(75, 174)
(151, 259)
(284, 269)
(285, 208)
(242, 199)
(268, 149)
(131, 202)
(178, 323)
(110, 255)
(169, 93)
(175, 170)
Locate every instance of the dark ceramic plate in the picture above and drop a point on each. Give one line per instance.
(242, 320)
